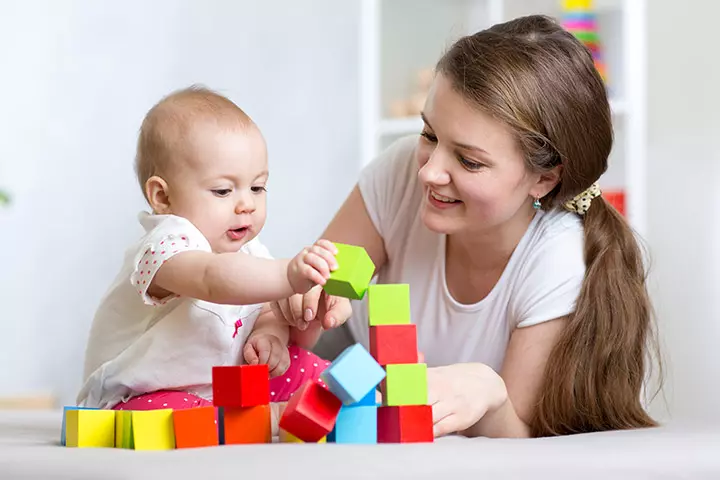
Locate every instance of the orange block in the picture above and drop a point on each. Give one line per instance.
(246, 425)
(195, 427)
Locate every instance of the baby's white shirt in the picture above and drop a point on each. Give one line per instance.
(140, 344)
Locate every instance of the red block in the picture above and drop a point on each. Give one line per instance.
(195, 427)
(392, 344)
(311, 412)
(241, 386)
(405, 424)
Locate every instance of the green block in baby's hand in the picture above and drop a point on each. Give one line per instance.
(389, 304)
(353, 275)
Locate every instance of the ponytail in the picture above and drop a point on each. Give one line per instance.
(595, 374)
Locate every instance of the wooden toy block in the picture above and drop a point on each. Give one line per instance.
(369, 400)
(90, 428)
(394, 344)
(153, 429)
(405, 424)
(245, 425)
(353, 374)
(356, 425)
(124, 436)
(241, 386)
(353, 275)
(405, 384)
(286, 437)
(65, 410)
(389, 304)
(311, 412)
(195, 427)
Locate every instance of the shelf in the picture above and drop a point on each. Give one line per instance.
(407, 125)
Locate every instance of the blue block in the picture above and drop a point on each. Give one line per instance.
(65, 410)
(353, 374)
(356, 425)
(331, 436)
(368, 400)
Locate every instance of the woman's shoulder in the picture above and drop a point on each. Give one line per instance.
(556, 225)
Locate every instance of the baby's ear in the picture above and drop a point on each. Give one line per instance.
(156, 190)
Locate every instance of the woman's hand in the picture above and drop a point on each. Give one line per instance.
(462, 394)
(301, 310)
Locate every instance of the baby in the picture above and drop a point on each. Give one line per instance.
(192, 293)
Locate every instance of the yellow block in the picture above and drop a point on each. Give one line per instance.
(90, 428)
(286, 437)
(153, 429)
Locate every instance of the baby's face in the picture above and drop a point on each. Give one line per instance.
(220, 184)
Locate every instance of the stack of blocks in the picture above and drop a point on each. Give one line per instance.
(344, 412)
(348, 412)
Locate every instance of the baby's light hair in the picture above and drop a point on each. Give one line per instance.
(169, 122)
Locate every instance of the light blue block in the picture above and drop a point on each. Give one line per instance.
(353, 374)
(356, 425)
(65, 410)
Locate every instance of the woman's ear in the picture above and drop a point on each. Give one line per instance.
(547, 182)
(156, 190)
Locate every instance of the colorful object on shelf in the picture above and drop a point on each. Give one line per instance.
(616, 198)
(580, 19)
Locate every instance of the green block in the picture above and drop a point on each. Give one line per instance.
(353, 275)
(406, 384)
(389, 304)
(124, 436)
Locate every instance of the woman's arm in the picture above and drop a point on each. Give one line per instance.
(352, 225)
(522, 372)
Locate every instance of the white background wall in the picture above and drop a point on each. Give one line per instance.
(77, 77)
(684, 199)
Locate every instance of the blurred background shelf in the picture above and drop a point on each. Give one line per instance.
(397, 57)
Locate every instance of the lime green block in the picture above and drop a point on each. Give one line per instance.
(406, 384)
(124, 437)
(353, 275)
(389, 304)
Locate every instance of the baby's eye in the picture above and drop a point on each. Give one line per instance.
(258, 189)
(222, 192)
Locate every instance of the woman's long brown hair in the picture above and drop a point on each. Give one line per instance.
(541, 81)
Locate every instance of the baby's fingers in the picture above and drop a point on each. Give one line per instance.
(263, 347)
(250, 354)
(327, 251)
(316, 269)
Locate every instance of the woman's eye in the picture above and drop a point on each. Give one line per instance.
(428, 136)
(469, 164)
(222, 192)
(259, 189)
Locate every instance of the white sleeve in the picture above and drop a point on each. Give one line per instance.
(551, 280)
(385, 182)
(171, 236)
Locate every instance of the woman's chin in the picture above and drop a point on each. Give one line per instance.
(438, 223)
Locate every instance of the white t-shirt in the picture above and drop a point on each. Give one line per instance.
(139, 344)
(541, 281)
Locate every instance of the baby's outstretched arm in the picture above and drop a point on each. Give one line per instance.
(240, 278)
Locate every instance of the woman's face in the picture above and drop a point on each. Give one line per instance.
(473, 173)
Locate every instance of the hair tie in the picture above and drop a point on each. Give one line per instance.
(580, 203)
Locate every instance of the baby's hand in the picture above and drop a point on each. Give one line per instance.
(312, 266)
(267, 349)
